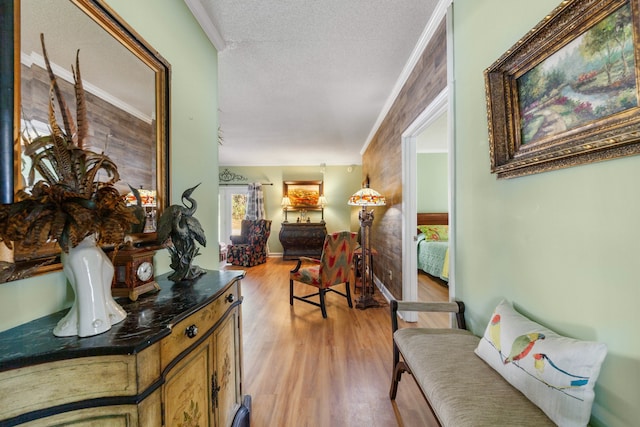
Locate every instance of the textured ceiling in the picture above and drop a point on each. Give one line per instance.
(302, 82)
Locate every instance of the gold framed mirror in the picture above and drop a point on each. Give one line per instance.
(127, 91)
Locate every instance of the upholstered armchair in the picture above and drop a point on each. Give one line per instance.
(244, 233)
(254, 251)
(333, 268)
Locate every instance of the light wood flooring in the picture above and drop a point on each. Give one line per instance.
(303, 370)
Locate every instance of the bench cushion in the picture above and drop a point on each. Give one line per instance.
(461, 388)
(555, 372)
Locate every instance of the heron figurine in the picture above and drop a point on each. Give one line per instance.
(178, 229)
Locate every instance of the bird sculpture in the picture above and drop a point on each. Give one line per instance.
(522, 346)
(179, 230)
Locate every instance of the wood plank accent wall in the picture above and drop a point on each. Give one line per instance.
(382, 161)
(127, 140)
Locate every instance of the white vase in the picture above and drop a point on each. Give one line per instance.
(90, 273)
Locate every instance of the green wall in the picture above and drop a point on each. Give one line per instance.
(562, 245)
(340, 182)
(433, 178)
(171, 29)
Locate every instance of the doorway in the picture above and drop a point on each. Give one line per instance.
(233, 206)
(424, 131)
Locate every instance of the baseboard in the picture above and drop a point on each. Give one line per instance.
(383, 289)
(387, 295)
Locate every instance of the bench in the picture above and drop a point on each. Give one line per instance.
(460, 388)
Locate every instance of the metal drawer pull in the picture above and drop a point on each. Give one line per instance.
(215, 389)
(191, 331)
(230, 298)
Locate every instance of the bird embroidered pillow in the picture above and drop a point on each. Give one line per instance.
(554, 372)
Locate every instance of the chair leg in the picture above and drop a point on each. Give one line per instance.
(349, 295)
(322, 306)
(290, 292)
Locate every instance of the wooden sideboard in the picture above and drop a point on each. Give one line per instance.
(302, 239)
(176, 360)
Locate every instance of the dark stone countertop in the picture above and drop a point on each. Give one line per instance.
(148, 320)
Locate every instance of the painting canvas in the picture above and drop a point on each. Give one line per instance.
(303, 193)
(590, 78)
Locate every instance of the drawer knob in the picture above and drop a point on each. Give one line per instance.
(230, 298)
(191, 331)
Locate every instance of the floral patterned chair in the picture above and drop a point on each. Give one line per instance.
(254, 251)
(333, 268)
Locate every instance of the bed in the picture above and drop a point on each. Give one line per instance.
(433, 244)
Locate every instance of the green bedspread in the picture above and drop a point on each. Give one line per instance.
(432, 257)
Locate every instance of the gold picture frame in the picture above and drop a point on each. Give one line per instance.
(567, 93)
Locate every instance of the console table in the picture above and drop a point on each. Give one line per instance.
(302, 239)
(177, 356)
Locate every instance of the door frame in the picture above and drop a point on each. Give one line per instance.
(434, 110)
(443, 101)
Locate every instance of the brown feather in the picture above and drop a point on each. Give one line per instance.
(59, 146)
(81, 108)
(64, 110)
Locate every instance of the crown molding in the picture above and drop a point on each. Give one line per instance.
(209, 28)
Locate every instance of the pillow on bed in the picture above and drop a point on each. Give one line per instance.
(434, 232)
(555, 372)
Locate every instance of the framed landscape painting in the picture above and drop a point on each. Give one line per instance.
(567, 93)
(303, 194)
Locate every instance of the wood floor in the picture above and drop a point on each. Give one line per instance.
(303, 370)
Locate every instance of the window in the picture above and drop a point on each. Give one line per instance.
(233, 206)
(238, 211)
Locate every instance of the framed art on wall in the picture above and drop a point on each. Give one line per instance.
(303, 194)
(567, 93)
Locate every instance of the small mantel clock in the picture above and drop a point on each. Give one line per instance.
(133, 274)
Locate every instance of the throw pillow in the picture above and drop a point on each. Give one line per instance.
(434, 232)
(554, 372)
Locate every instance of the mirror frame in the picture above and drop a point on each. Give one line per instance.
(9, 18)
(113, 24)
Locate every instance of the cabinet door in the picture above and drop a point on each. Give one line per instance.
(186, 390)
(226, 381)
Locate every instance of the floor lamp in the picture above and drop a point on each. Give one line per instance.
(366, 197)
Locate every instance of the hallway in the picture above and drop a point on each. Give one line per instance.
(303, 370)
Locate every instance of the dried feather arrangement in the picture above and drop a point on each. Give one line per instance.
(69, 203)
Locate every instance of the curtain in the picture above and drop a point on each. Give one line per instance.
(255, 201)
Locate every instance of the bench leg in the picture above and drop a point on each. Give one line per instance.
(395, 376)
(397, 373)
